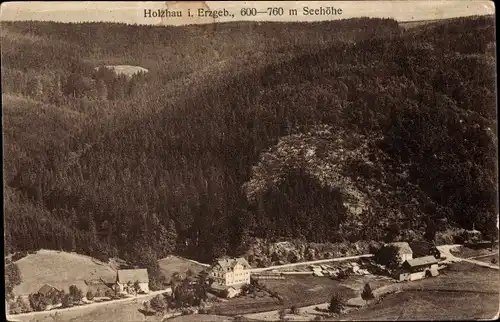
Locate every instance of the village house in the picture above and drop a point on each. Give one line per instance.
(424, 248)
(230, 274)
(125, 279)
(48, 291)
(418, 268)
(404, 251)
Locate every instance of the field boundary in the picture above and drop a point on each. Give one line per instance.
(450, 290)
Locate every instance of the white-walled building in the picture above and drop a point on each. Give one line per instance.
(404, 250)
(125, 278)
(231, 272)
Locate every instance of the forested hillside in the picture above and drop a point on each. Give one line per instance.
(312, 131)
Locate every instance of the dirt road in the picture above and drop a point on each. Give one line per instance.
(446, 251)
(17, 317)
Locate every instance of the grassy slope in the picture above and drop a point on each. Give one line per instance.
(295, 290)
(430, 306)
(462, 291)
(63, 269)
(126, 312)
(59, 269)
(174, 264)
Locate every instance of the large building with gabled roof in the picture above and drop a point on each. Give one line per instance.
(227, 272)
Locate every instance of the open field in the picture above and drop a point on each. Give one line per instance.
(429, 305)
(356, 283)
(307, 290)
(461, 291)
(295, 290)
(172, 264)
(58, 269)
(245, 305)
(460, 276)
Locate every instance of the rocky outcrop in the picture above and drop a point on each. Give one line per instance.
(263, 252)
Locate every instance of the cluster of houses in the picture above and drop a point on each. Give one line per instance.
(416, 261)
(228, 275)
(122, 283)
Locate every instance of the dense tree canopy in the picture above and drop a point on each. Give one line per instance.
(316, 133)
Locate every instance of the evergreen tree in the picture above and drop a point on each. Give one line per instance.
(102, 89)
(367, 293)
(158, 303)
(75, 293)
(35, 88)
(337, 304)
(430, 230)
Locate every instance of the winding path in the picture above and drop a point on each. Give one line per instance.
(450, 258)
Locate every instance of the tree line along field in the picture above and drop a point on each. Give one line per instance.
(402, 125)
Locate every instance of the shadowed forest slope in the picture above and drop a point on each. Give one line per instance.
(269, 130)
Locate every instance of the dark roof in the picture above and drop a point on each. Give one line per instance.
(47, 288)
(421, 248)
(133, 275)
(94, 282)
(228, 263)
(403, 247)
(421, 261)
(108, 279)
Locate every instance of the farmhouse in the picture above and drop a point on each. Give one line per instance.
(424, 248)
(418, 268)
(125, 279)
(404, 250)
(48, 290)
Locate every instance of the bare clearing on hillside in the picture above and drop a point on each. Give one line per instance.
(59, 269)
(127, 70)
(174, 264)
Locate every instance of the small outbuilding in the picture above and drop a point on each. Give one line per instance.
(48, 290)
(418, 268)
(127, 277)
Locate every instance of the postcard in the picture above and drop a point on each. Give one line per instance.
(250, 160)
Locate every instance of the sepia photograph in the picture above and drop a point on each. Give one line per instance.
(250, 161)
